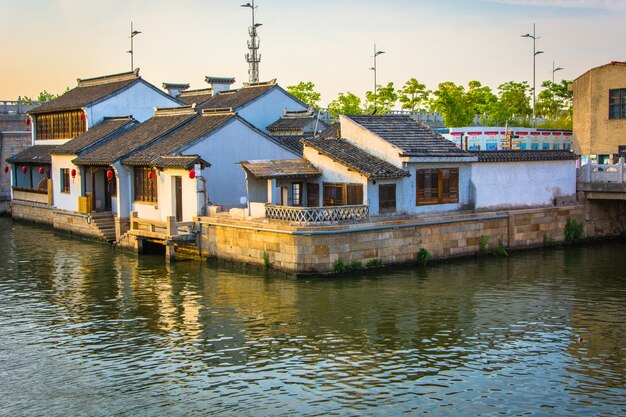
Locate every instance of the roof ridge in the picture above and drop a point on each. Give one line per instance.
(175, 111)
(260, 83)
(191, 92)
(218, 111)
(107, 79)
(117, 118)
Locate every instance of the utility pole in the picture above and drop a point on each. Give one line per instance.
(253, 57)
(534, 37)
(133, 33)
(376, 53)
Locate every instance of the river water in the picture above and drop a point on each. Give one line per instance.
(87, 331)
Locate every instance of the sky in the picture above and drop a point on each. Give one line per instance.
(48, 44)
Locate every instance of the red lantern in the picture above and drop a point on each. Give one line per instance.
(27, 120)
(40, 170)
(82, 116)
(151, 175)
(24, 169)
(192, 174)
(6, 169)
(110, 174)
(73, 172)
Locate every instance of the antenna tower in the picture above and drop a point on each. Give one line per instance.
(253, 57)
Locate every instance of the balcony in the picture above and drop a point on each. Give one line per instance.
(317, 214)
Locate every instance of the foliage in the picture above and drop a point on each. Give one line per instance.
(413, 95)
(499, 249)
(554, 103)
(305, 92)
(480, 98)
(483, 244)
(574, 231)
(340, 266)
(452, 102)
(355, 266)
(382, 101)
(423, 256)
(513, 102)
(266, 261)
(43, 97)
(373, 263)
(348, 103)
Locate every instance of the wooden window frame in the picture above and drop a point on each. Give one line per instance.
(65, 180)
(60, 125)
(617, 108)
(296, 194)
(312, 194)
(146, 190)
(436, 186)
(389, 204)
(342, 194)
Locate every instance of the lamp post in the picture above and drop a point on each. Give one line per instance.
(376, 53)
(555, 70)
(534, 37)
(253, 57)
(133, 33)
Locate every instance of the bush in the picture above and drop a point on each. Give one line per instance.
(499, 249)
(340, 266)
(483, 244)
(374, 263)
(266, 261)
(356, 265)
(573, 231)
(423, 256)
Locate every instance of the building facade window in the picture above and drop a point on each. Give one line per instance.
(617, 103)
(65, 180)
(296, 193)
(387, 198)
(341, 194)
(145, 188)
(437, 186)
(62, 125)
(312, 194)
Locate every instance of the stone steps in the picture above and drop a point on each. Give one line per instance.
(105, 222)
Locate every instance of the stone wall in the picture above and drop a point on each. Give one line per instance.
(301, 249)
(15, 136)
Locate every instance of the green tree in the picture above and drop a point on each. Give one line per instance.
(452, 101)
(43, 96)
(347, 103)
(480, 98)
(554, 103)
(305, 92)
(383, 101)
(513, 101)
(413, 95)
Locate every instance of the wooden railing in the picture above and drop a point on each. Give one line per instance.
(317, 214)
(610, 173)
(158, 229)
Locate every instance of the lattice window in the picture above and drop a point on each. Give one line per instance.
(145, 187)
(437, 186)
(65, 180)
(387, 198)
(62, 125)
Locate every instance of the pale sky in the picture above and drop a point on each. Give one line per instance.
(47, 44)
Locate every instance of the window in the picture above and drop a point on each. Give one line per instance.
(387, 198)
(296, 193)
(437, 186)
(65, 180)
(62, 125)
(312, 194)
(617, 103)
(340, 194)
(145, 188)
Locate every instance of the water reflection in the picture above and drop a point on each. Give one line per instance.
(86, 330)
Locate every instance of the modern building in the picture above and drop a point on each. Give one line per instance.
(600, 112)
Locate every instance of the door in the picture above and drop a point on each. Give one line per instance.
(178, 197)
(107, 193)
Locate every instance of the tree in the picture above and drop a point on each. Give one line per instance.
(43, 97)
(513, 101)
(480, 98)
(382, 101)
(554, 103)
(413, 95)
(305, 92)
(347, 103)
(454, 104)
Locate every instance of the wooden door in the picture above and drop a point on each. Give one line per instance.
(178, 197)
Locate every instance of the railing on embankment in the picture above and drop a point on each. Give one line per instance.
(155, 229)
(317, 214)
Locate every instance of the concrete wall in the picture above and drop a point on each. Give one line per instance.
(224, 149)
(15, 136)
(269, 108)
(521, 184)
(371, 143)
(66, 201)
(443, 237)
(594, 132)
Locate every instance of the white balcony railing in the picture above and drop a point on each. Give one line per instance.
(609, 173)
(317, 214)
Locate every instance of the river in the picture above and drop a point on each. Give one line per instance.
(88, 331)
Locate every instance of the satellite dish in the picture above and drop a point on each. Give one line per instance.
(243, 199)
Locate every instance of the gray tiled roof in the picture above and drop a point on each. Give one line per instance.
(236, 98)
(412, 137)
(355, 158)
(106, 129)
(179, 161)
(134, 139)
(88, 91)
(180, 138)
(524, 156)
(291, 142)
(195, 96)
(283, 168)
(38, 154)
(219, 80)
(333, 131)
(296, 123)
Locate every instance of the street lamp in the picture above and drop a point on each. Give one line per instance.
(133, 33)
(376, 53)
(534, 37)
(555, 70)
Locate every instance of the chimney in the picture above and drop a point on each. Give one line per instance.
(174, 89)
(219, 83)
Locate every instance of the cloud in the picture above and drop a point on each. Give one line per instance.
(568, 4)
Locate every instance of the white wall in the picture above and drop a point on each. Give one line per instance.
(371, 143)
(224, 149)
(516, 184)
(66, 201)
(269, 108)
(138, 101)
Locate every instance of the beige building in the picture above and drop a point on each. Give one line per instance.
(600, 112)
